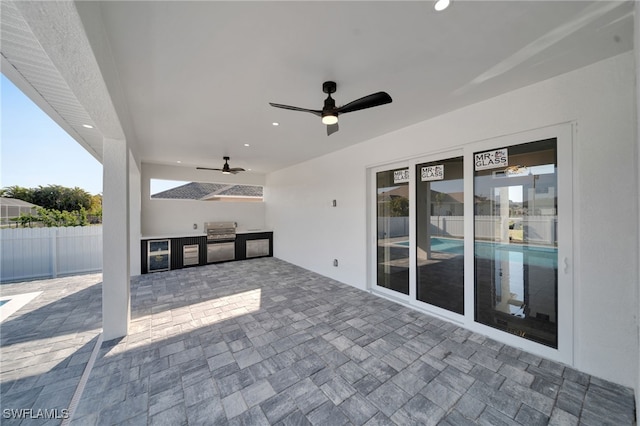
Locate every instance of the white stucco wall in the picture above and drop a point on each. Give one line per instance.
(162, 217)
(600, 99)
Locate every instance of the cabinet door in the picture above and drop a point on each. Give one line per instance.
(257, 248)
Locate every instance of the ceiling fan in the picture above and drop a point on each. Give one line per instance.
(226, 170)
(330, 112)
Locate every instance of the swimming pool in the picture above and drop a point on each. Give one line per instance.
(11, 304)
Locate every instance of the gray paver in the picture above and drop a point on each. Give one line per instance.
(444, 397)
(337, 389)
(358, 409)
(257, 392)
(278, 407)
(311, 350)
(234, 405)
(327, 414)
(388, 398)
(419, 410)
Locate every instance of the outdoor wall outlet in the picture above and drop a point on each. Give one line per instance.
(335, 262)
(335, 203)
(195, 226)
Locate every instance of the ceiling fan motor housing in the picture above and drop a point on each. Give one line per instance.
(329, 105)
(328, 111)
(329, 87)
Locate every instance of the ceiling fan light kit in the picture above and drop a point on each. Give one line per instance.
(329, 113)
(441, 5)
(329, 118)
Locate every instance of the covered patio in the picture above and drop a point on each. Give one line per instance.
(165, 90)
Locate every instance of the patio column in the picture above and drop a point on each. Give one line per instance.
(636, 47)
(116, 307)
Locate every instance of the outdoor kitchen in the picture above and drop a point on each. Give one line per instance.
(219, 242)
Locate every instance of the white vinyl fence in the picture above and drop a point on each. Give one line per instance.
(28, 253)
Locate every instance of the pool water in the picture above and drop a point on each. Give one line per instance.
(2, 302)
(489, 250)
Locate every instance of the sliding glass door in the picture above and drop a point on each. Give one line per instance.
(392, 215)
(476, 236)
(440, 234)
(516, 242)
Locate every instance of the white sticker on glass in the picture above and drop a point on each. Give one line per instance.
(429, 173)
(491, 159)
(401, 176)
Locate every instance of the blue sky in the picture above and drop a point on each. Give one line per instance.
(36, 151)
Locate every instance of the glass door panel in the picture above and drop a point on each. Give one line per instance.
(516, 244)
(440, 234)
(392, 200)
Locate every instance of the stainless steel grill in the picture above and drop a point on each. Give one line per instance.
(220, 231)
(221, 241)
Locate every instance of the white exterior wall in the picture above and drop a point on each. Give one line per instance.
(599, 99)
(162, 217)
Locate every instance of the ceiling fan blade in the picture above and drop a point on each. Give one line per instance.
(236, 169)
(208, 168)
(373, 100)
(293, 108)
(332, 128)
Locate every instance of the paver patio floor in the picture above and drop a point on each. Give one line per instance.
(266, 342)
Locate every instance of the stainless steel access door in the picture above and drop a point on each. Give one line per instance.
(220, 252)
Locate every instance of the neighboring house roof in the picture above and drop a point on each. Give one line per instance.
(204, 191)
(13, 207)
(398, 191)
(14, 202)
(242, 191)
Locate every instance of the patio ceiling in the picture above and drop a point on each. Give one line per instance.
(195, 78)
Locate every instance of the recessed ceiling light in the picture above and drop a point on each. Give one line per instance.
(442, 5)
(87, 126)
(178, 161)
(275, 123)
(246, 144)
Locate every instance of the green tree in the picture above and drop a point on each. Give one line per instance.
(399, 207)
(25, 219)
(95, 211)
(54, 197)
(18, 192)
(60, 198)
(53, 218)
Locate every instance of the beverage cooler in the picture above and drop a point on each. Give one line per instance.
(159, 255)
